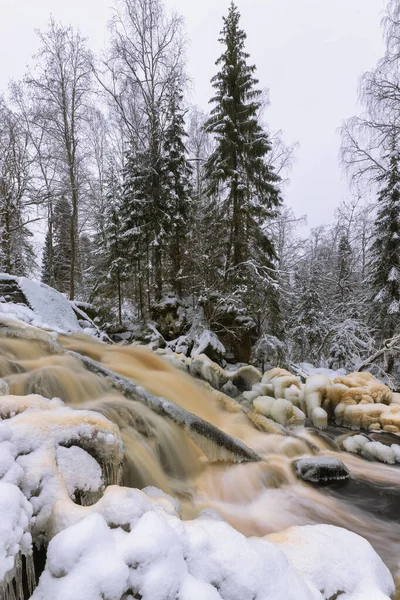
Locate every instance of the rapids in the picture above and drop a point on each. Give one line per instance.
(257, 498)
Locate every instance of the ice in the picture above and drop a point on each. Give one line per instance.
(320, 470)
(15, 513)
(372, 450)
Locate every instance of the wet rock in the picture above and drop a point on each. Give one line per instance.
(321, 470)
(230, 390)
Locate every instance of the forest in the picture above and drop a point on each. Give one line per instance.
(169, 225)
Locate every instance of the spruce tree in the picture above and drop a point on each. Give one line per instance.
(385, 264)
(177, 189)
(48, 260)
(308, 322)
(62, 244)
(138, 237)
(241, 182)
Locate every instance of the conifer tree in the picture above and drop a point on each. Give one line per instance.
(308, 322)
(137, 214)
(177, 189)
(62, 244)
(48, 260)
(385, 264)
(241, 182)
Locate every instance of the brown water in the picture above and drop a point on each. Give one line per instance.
(256, 498)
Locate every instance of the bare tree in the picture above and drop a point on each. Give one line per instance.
(14, 196)
(60, 89)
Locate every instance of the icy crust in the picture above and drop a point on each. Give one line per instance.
(321, 470)
(332, 559)
(371, 450)
(357, 400)
(52, 453)
(15, 539)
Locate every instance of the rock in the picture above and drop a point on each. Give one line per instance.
(321, 470)
(230, 390)
(170, 317)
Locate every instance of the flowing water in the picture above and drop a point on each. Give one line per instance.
(257, 498)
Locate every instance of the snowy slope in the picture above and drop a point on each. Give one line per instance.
(47, 309)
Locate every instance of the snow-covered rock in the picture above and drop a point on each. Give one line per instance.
(335, 561)
(321, 469)
(40, 305)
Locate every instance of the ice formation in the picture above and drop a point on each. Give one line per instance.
(15, 538)
(321, 469)
(372, 450)
(357, 400)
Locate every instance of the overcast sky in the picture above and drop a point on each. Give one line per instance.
(309, 53)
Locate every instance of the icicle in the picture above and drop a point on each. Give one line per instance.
(112, 473)
(30, 573)
(12, 587)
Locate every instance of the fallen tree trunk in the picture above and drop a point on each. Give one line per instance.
(216, 445)
(389, 345)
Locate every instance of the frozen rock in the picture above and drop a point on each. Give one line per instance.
(321, 470)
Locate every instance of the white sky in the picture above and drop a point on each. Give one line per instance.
(309, 53)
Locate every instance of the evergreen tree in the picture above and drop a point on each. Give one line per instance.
(385, 264)
(308, 323)
(139, 239)
(177, 189)
(241, 182)
(343, 270)
(48, 260)
(62, 244)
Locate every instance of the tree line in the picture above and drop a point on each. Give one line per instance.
(154, 208)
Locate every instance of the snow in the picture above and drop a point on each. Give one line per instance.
(161, 557)
(48, 309)
(360, 444)
(15, 513)
(79, 470)
(208, 339)
(311, 370)
(331, 559)
(33, 456)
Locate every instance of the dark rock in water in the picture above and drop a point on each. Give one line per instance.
(321, 470)
(230, 389)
